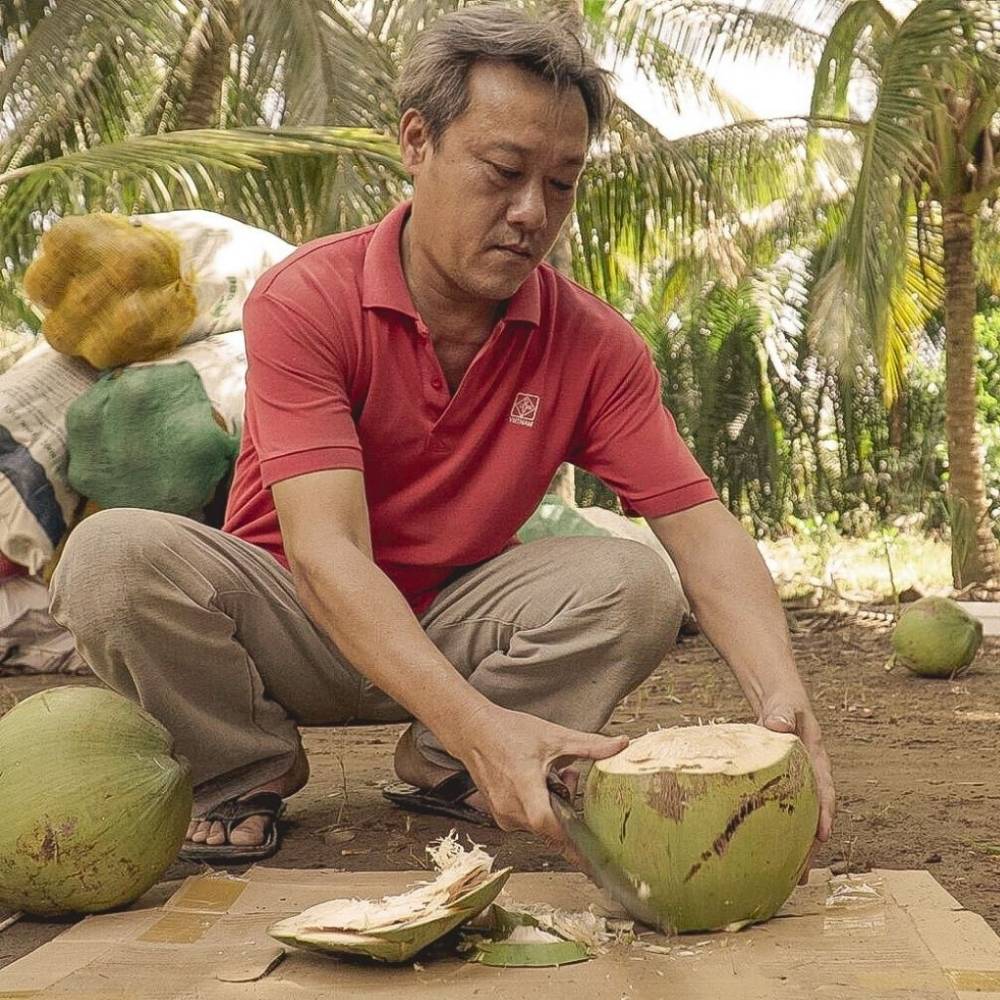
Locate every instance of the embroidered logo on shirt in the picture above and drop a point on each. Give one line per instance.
(524, 410)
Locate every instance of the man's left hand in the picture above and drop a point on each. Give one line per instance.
(785, 715)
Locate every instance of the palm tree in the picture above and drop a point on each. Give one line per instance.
(282, 114)
(154, 104)
(150, 105)
(908, 242)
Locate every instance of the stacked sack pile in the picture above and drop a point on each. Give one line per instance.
(134, 398)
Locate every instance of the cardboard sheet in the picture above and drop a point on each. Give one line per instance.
(887, 934)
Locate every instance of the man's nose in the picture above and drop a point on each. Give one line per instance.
(528, 209)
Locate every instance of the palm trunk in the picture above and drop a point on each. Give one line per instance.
(561, 256)
(209, 66)
(897, 421)
(975, 555)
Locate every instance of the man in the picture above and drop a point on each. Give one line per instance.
(412, 388)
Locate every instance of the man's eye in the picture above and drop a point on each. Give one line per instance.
(505, 173)
(562, 186)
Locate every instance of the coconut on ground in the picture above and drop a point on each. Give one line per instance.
(936, 637)
(95, 804)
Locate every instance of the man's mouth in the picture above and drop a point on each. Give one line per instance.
(523, 252)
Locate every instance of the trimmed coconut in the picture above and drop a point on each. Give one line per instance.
(95, 804)
(714, 823)
(936, 637)
(395, 928)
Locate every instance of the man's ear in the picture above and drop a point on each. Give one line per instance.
(414, 141)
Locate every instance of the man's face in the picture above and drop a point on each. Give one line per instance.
(490, 199)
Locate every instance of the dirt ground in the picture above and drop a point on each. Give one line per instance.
(915, 761)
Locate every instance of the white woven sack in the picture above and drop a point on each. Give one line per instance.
(222, 258)
(36, 501)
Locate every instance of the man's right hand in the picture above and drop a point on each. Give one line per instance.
(509, 756)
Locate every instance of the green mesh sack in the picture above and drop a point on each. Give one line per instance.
(553, 517)
(148, 437)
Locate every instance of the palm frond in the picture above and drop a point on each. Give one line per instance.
(184, 170)
(845, 48)
(704, 31)
(896, 160)
(398, 21)
(710, 184)
(838, 325)
(17, 21)
(51, 73)
(987, 247)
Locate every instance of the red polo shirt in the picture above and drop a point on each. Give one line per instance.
(342, 375)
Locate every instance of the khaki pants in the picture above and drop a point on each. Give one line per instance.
(206, 632)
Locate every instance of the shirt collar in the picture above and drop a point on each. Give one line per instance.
(385, 287)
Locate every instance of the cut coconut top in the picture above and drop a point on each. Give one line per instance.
(730, 748)
(459, 871)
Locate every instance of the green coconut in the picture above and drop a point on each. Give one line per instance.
(713, 824)
(95, 805)
(935, 637)
(396, 928)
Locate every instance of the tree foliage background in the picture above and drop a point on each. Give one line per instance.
(791, 276)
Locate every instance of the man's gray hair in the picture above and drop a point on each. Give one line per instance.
(434, 76)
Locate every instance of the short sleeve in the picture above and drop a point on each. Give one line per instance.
(630, 440)
(298, 398)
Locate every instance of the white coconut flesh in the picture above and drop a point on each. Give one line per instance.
(459, 872)
(732, 749)
(531, 935)
(583, 926)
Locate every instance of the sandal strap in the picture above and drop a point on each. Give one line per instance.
(233, 811)
(454, 789)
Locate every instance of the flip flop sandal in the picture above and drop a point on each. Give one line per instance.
(230, 814)
(447, 798)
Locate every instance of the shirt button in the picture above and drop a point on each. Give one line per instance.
(436, 383)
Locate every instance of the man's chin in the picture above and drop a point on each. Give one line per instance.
(499, 288)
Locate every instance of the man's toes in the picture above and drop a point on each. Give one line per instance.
(201, 831)
(216, 834)
(250, 832)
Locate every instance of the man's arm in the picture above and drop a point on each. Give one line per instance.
(325, 530)
(734, 599)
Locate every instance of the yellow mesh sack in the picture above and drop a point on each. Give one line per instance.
(112, 292)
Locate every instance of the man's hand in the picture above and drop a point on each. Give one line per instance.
(782, 715)
(509, 757)
(735, 601)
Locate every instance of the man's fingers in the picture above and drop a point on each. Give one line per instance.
(827, 809)
(532, 812)
(825, 791)
(779, 719)
(591, 746)
(570, 777)
(784, 718)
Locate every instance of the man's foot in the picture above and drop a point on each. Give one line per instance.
(253, 830)
(411, 766)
